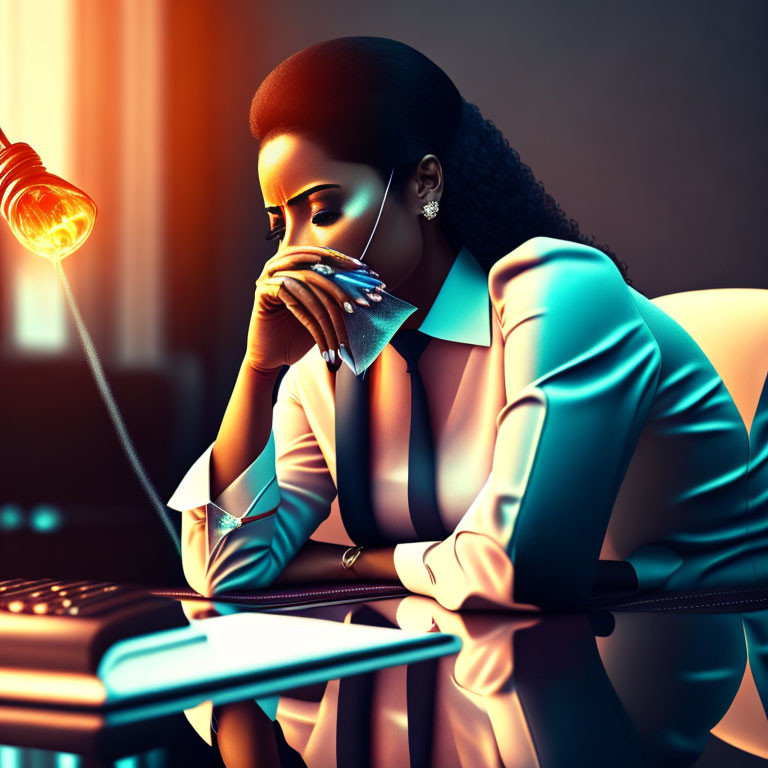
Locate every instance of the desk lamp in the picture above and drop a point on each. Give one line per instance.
(53, 218)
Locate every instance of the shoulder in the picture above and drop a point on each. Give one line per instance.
(553, 274)
(549, 255)
(566, 314)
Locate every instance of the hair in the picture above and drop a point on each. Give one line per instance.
(381, 102)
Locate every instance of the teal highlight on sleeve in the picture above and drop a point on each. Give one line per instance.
(654, 565)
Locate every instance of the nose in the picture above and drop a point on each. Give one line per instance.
(298, 233)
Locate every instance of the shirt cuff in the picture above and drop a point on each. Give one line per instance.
(411, 569)
(253, 492)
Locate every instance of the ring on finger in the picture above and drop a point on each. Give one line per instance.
(340, 255)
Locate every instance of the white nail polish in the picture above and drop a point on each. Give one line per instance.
(332, 355)
(325, 356)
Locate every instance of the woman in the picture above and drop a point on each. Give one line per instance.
(552, 384)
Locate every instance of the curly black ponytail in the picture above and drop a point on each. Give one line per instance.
(378, 101)
(492, 202)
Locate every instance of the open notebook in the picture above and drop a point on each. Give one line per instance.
(228, 658)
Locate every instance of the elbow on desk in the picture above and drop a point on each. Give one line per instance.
(244, 563)
(193, 548)
(210, 585)
(195, 573)
(550, 588)
(225, 576)
(473, 571)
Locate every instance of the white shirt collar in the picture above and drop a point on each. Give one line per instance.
(462, 309)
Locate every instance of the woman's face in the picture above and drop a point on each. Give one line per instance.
(342, 214)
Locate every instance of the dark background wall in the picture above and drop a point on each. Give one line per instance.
(646, 122)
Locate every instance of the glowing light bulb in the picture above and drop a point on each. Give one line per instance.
(48, 215)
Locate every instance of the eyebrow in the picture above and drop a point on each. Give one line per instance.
(301, 196)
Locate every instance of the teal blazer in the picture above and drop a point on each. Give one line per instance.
(617, 439)
(696, 489)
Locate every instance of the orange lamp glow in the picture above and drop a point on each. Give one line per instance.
(53, 218)
(48, 215)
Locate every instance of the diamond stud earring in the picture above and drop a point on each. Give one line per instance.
(430, 209)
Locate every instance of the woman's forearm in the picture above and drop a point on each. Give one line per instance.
(376, 564)
(245, 428)
(320, 561)
(243, 435)
(316, 561)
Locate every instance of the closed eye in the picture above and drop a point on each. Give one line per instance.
(325, 217)
(321, 218)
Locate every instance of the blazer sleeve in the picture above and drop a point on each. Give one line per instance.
(581, 369)
(280, 498)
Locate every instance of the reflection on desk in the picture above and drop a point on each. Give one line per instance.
(621, 688)
(539, 692)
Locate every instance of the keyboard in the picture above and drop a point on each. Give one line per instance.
(67, 625)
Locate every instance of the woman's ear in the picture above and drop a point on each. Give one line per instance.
(428, 180)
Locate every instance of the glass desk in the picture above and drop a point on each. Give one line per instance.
(678, 681)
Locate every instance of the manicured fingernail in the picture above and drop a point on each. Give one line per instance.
(357, 280)
(345, 356)
(364, 302)
(375, 296)
(332, 355)
(325, 356)
(348, 307)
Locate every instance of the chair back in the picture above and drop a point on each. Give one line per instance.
(731, 327)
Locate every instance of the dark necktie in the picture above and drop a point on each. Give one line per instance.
(422, 493)
(353, 465)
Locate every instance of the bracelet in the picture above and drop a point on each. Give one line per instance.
(350, 555)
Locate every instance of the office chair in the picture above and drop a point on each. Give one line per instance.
(731, 327)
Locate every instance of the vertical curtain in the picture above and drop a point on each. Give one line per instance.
(35, 96)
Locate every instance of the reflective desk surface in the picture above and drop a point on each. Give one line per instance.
(670, 683)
